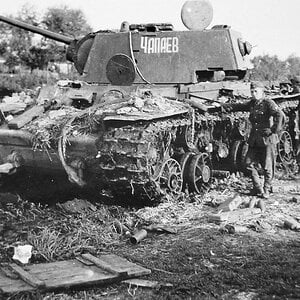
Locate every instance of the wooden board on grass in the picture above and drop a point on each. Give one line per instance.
(239, 215)
(67, 273)
(27, 116)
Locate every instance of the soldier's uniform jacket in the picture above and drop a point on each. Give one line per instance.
(261, 112)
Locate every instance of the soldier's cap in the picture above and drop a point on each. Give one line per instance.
(256, 84)
(295, 79)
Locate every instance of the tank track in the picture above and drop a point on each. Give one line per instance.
(130, 158)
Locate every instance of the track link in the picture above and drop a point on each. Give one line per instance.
(131, 156)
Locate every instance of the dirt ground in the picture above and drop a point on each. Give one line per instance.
(200, 260)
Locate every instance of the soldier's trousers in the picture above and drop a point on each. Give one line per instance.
(261, 158)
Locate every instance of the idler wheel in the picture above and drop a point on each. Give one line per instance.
(285, 148)
(170, 178)
(199, 173)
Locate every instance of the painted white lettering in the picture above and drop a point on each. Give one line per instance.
(169, 45)
(144, 42)
(160, 45)
(151, 45)
(163, 45)
(175, 47)
(157, 45)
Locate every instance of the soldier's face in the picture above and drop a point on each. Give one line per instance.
(257, 93)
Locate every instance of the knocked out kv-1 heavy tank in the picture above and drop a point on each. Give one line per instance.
(135, 126)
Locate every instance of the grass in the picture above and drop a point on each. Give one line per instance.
(199, 261)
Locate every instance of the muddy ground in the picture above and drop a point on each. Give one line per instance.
(199, 261)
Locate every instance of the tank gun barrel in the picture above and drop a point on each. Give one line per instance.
(46, 33)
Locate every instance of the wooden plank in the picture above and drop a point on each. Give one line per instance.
(196, 104)
(7, 271)
(66, 274)
(122, 264)
(230, 204)
(27, 277)
(14, 107)
(10, 285)
(79, 276)
(103, 264)
(19, 121)
(84, 261)
(236, 215)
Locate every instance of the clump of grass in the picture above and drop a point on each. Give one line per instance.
(46, 242)
(86, 232)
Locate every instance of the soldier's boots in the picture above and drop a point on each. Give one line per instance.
(260, 192)
(267, 191)
(265, 194)
(256, 191)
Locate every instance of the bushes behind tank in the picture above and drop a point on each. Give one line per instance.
(11, 83)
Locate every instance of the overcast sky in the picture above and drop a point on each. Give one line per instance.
(271, 25)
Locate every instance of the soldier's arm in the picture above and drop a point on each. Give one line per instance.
(228, 107)
(236, 107)
(278, 116)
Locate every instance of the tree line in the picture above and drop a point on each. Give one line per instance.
(20, 47)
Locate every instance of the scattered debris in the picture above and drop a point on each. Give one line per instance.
(285, 188)
(253, 202)
(121, 228)
(16, 103)
(231, 204)
(146, 283)
(26, 117)
(261, 205)
(12, 108)
(236, 216)
(22, 253)
(261, 226)
(294, 200)
(161, 228)
(291, 224)
(55, 114)
(77, 206)
(228, 228)
(138, 236)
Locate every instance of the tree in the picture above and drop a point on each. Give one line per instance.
(19, 46)
(15, 42)
(65, 21)
(269, 68)
(293, 65)
(36, 58)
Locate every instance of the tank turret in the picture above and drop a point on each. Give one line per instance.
(156, 53)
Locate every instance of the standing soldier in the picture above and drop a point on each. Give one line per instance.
(266, 119)
(295, 81)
